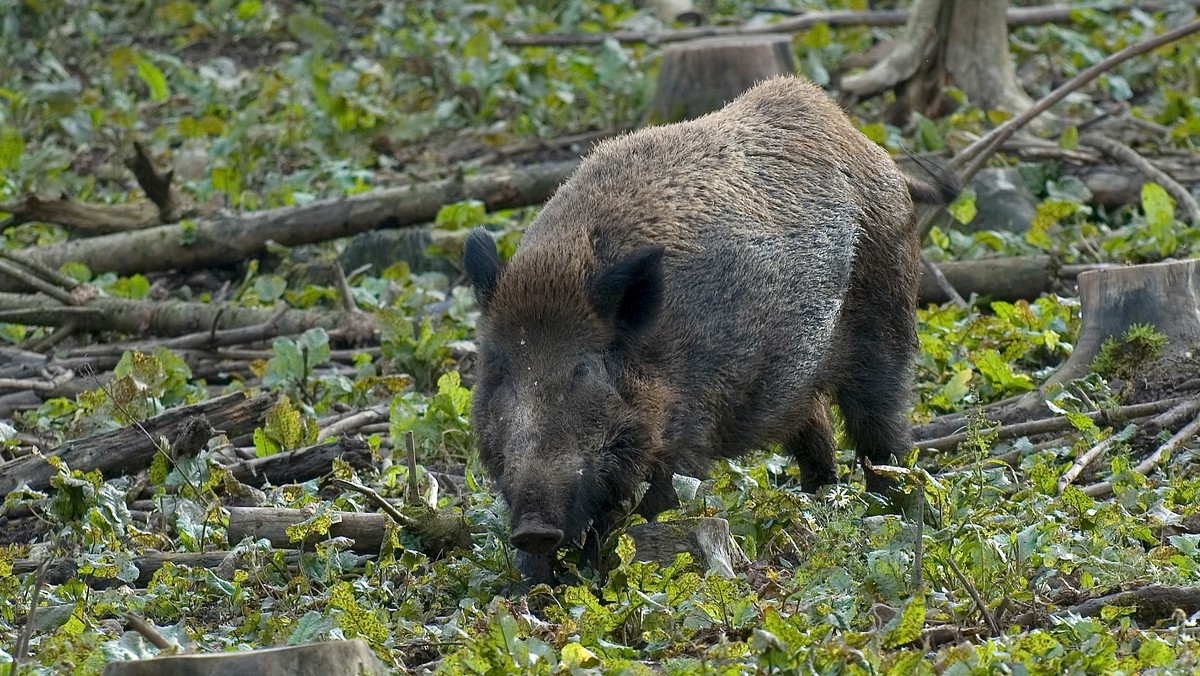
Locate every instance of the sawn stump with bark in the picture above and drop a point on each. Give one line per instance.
(700, 76)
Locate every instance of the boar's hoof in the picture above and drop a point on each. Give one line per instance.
(536, 538)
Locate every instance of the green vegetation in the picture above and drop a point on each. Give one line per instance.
(264, 104)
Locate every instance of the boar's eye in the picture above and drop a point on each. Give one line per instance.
(582, 370)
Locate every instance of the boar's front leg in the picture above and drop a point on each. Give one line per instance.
(660, 496)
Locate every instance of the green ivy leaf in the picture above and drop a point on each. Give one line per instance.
(11, 148)
(1159, 208)
(1069, 140)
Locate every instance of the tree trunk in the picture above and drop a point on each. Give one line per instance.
(958, 42)
(699, 77)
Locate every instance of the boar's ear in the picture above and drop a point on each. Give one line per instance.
(483, 265)
(630, 292)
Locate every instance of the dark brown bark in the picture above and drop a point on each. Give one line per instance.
(1152, 603)
(132, 447)
(302, 464)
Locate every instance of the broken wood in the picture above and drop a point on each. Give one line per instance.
(701, 76)
(1145, 467)
(84, 218)
(1122, 153)
(169, 318)
(365, 531)
(1015, 16)
(706, 539)
(1047, 425)
(157, 185)
(131, 448)
(330, 658)
(233, 238)
(1151, 603)
(302, 464)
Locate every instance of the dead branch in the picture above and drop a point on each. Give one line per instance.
(1162, 421)
(170, 318)
(1104, 488)
(366, 531)
(351, 423)
(944, 286)
(1016, 16)
(1122, 153)
(156, 184)
(1152, 603)
(1048, 425)
(302, 464)
(80, 217)
(234, 238)
(131, 448)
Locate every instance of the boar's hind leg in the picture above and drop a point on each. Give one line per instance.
(812, 447)
(873, 398)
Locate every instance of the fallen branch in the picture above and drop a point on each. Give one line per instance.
(157, 185)
(365, 531)
(1122, 153)
(233, 238)
(170, 318)
(1151, 603)
(302, 464)
(1058, 424)
(1104, 488)
(1162, 421)
(1016, 16)
(129, 449)
(80, 217)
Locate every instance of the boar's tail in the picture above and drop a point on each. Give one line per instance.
(938, 183)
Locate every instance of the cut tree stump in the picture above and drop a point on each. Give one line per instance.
(699, 77)
(706, 539)
(1166, 295)
(330, 658)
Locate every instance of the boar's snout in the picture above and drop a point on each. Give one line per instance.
(536, 537)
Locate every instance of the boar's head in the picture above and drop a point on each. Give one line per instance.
(558, 419)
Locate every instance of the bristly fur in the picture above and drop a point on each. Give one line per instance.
(789, 278)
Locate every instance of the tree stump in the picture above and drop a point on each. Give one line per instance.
(700, 76)
(706, 539)
(1166, 295)
(331, 658)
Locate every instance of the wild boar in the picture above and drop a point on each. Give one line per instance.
(693, 292)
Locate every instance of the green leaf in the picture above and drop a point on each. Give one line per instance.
(248, 9)
(963, 207)
(311, 29)
(1159, 208)
(1155, 652)
(11, 148)
(909, 624)
(817, 37)
(154, 79)
(1069, 140)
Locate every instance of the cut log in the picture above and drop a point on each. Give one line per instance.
(365, 530)
(706, 539)
(331, 658)
(1013, 278)
(1165, 295)
(701, 76)
(233, 238)
(132, 447)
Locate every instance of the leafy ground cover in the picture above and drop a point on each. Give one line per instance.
(258, 105)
